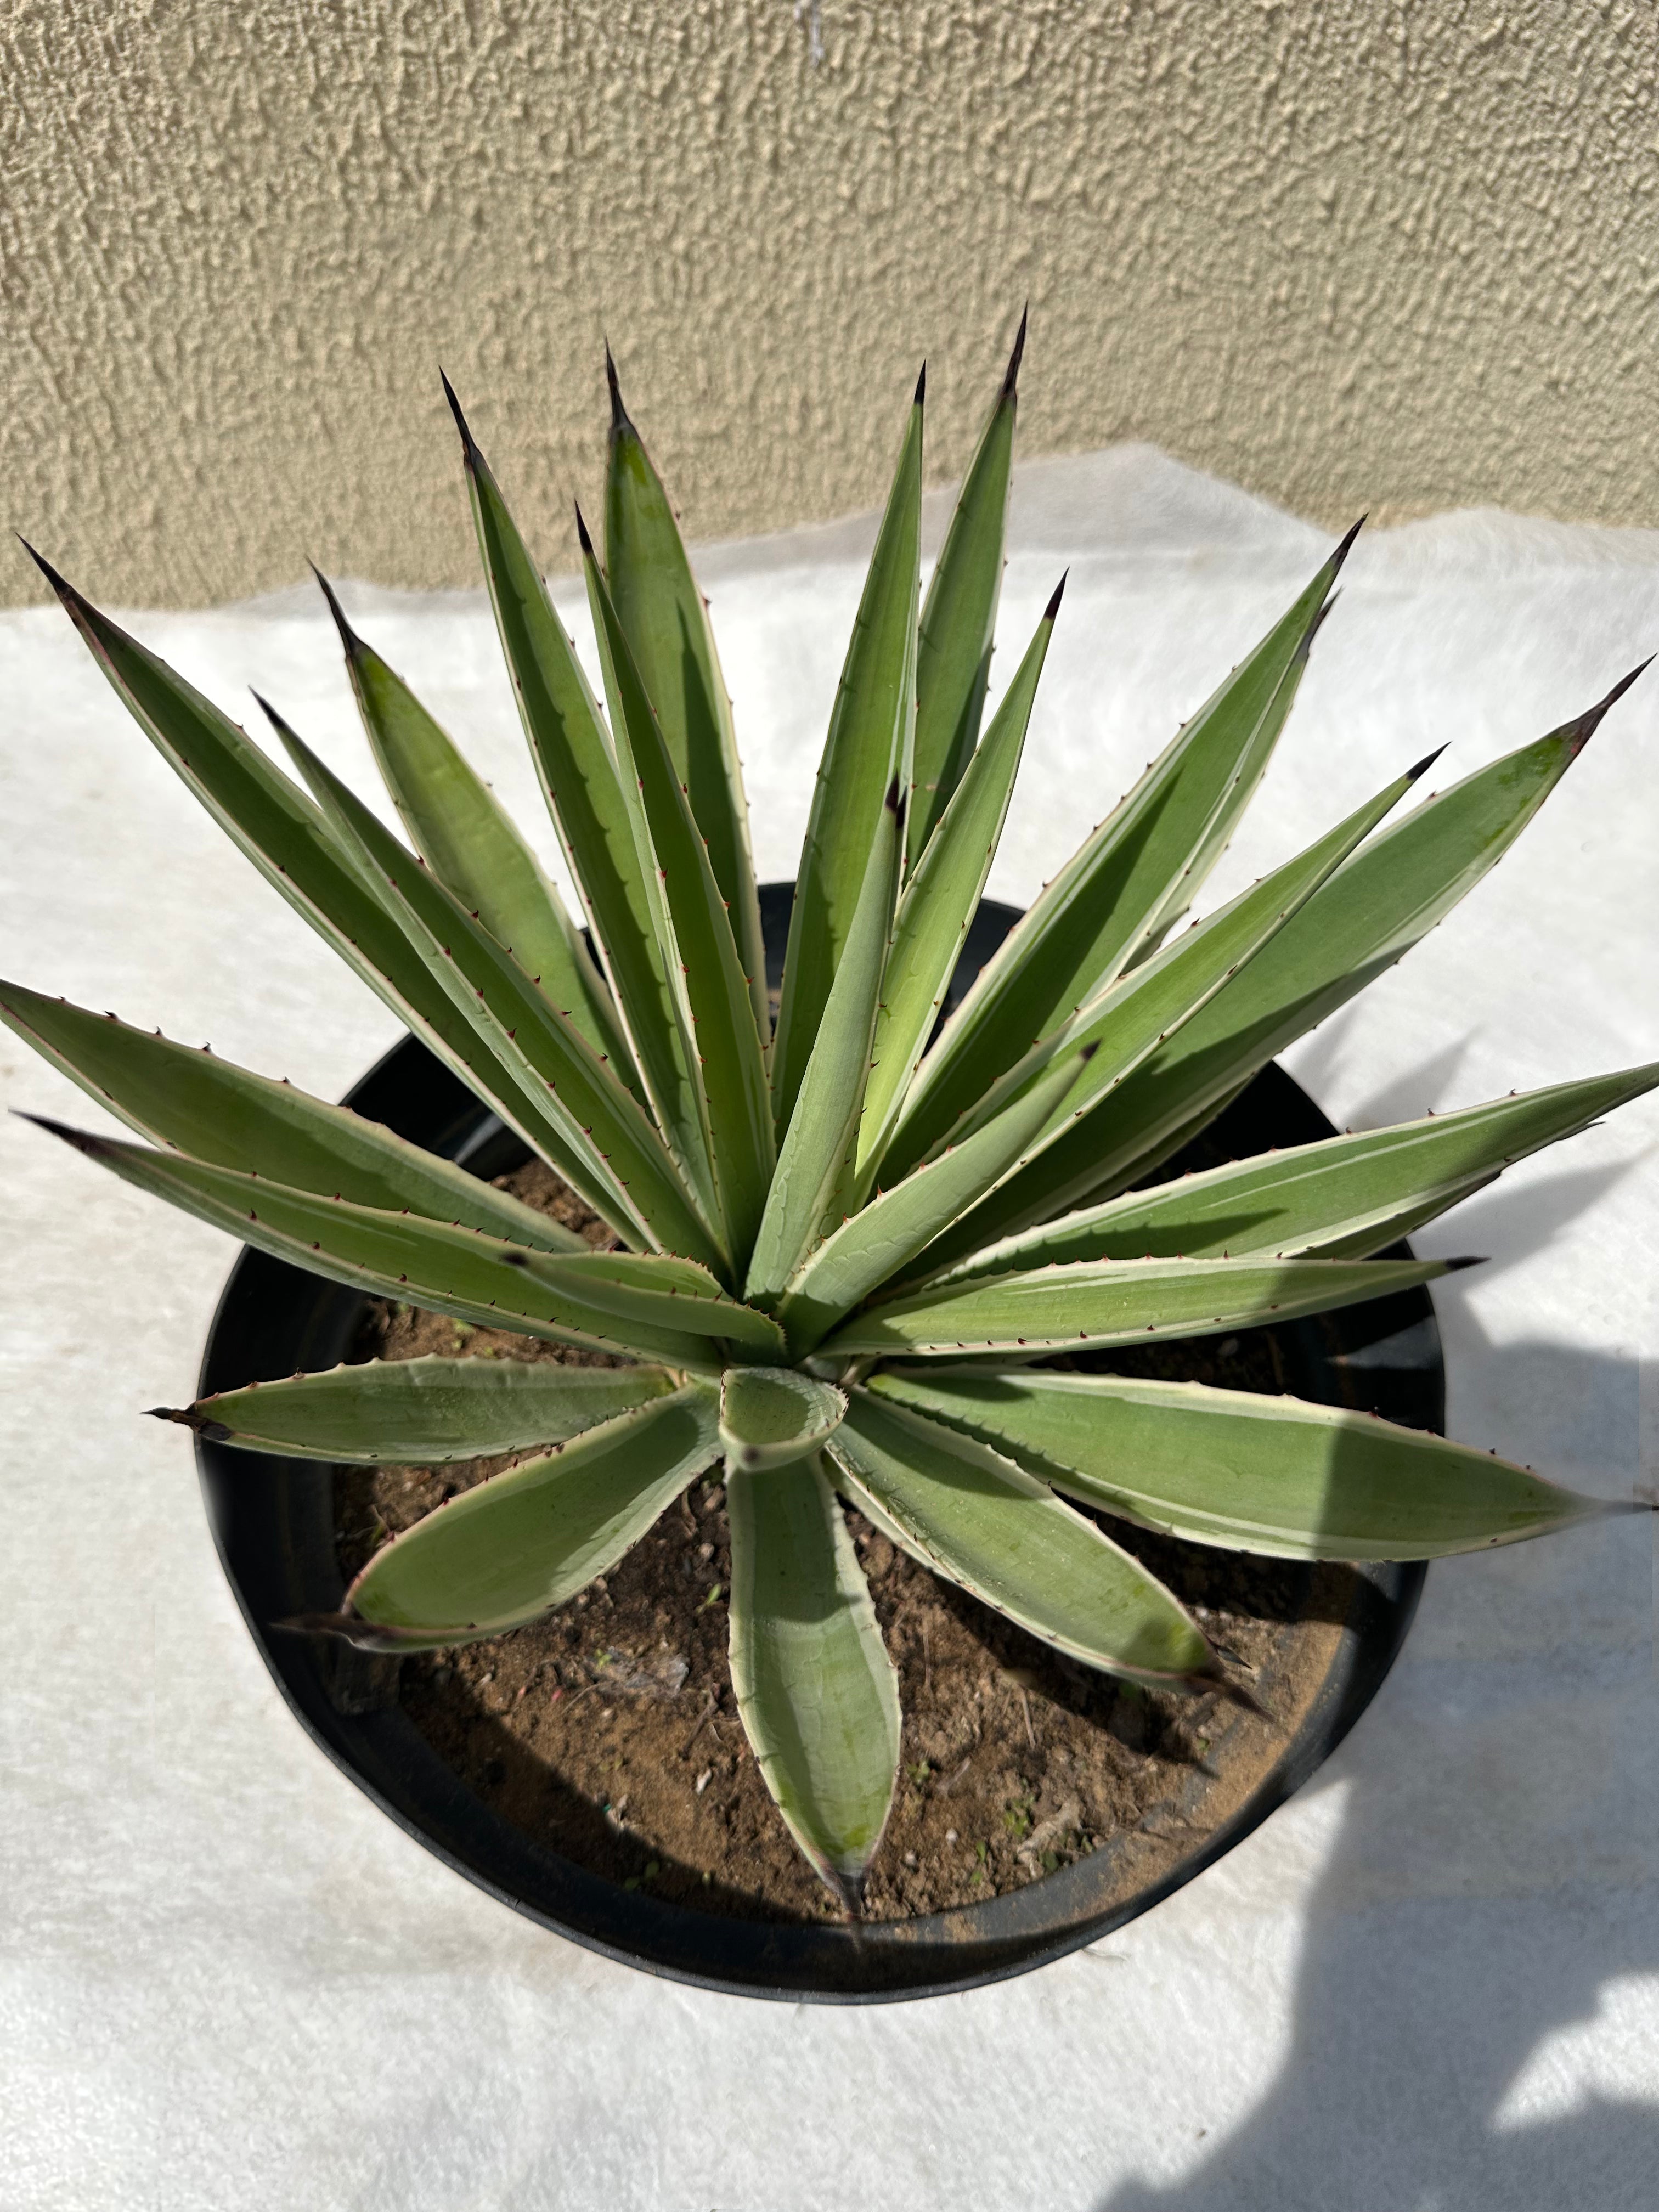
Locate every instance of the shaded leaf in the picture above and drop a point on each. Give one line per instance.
(594, 1131)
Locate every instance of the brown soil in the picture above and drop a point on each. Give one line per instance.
(609, 1732)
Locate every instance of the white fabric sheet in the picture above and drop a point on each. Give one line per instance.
(1432, 1980)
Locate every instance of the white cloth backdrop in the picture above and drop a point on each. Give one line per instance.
(1432, 1980)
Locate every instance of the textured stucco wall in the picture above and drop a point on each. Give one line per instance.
(1350, 253)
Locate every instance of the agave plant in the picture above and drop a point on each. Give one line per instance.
(851, 1258)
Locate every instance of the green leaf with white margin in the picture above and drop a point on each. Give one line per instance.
(976, 1517)
(769, 1415)
(870, 746)
(577, 771)
(815, 1161)
(510, 1550)
(420, 1413)
(939, 903)
(717, 1007)
(1374, 908)
(284, 834)
(232, 1118)
(1093, 1302)
(458, 1272)
(467, 838)
(1248, 1473)
(882, 1237)
(653, 1290)
(815, 1687)
(1340, 1198)
(666, 620)
(596, 1132)
(1118, 894)
(1132, 1017)
(958, 619)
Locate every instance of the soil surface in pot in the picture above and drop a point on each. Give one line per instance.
(609, 1732)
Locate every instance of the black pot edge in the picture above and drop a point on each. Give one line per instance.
(939, 1955)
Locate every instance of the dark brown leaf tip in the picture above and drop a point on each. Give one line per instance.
(1088, 1052)
(1011, 379)
(1579, 733)
(891, 801)
(619, 421)
(846, 1888)
(349, 637)
(1456, 1266)
(921, 385)
(283, 729)
(65, 591)
(1058, 594)
(1422, 767)
(83, 1139)
(215, 1432)
(1346, 545)
(469, 444)
(582, 538)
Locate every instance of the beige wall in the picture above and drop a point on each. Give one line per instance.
(1350, 253)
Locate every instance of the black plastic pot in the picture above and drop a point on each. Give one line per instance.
(274, 1525)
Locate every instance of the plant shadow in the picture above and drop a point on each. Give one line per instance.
(1492, 1880)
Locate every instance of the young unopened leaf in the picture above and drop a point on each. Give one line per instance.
(772, 1414)
(879, 1240)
